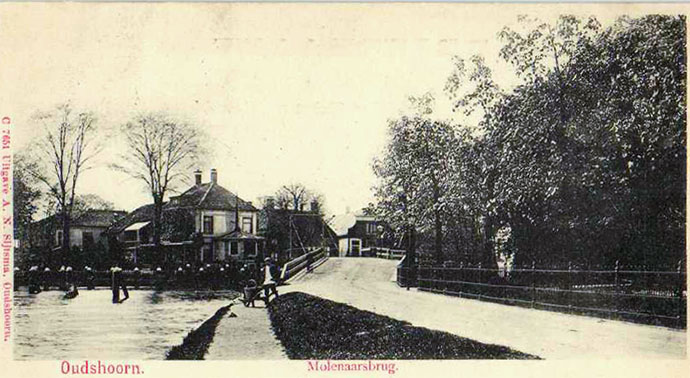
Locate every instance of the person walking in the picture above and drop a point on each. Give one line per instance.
(270, 278)
(117, 283)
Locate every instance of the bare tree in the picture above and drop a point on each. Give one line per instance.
(160, 152)
(297, 197)
(62, 155)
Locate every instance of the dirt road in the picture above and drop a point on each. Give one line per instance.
(368, 284)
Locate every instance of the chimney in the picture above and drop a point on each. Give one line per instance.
(314, 206)
(270, 203)
(197, 177)
(214, 176)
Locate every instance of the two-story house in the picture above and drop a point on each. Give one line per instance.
(206, 223)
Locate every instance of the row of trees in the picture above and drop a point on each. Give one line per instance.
(159, 152)
(583, 161)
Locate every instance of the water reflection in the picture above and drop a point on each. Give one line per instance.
(48, 327)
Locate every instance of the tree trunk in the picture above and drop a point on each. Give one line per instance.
(438, 227)
(157, 215)
(411, 245)
(438, 242)
(488, 259)
(64, 250)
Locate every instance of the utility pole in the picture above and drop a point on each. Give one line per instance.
(290, 246)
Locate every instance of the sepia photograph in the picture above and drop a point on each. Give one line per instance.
(342, 188)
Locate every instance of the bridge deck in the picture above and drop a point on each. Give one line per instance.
(367, 284)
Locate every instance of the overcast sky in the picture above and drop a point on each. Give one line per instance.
(287, 92)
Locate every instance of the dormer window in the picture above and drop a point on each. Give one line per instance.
(247, 225)
(208, 224)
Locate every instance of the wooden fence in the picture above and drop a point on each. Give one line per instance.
(632, 293)
(383, 253)
(294, 266)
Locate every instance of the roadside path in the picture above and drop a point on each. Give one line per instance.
(248, 336)
(366, 283)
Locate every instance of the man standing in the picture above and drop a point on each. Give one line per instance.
(270, 277)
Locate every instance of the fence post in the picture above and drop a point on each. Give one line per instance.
(534, 289)
(479, 267)
(616, 280)
(568, 294)
(680, 293)
(461, 285)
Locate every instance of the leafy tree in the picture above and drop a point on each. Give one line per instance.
(584, 161)
(416, 177)
(590, 147)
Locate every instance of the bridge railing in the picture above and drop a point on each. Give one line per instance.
(383, 253)
(633, 293)
(294, 266)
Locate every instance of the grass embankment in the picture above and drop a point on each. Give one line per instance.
(196, 343)
(310, 327)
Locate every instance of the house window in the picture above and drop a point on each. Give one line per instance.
(371, 228)
(208, 224)
(251, 249)
(233, 248)
(87, 238)
(59, 237)
(355, 245)
(247, 225)
(130, 236)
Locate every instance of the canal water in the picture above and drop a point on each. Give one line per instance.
(145, 326)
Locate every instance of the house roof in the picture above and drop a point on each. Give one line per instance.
(136, 226)
(211, 196)
(141, 214)
(206, 196)
(98, 218)
(90, 218)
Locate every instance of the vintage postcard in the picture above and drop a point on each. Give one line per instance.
(343, 189)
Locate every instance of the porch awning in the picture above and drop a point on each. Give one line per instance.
(239, 235)
(136, 226)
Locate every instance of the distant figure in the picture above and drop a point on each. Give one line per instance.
(72, 292)
(251, 293)
(117, 283)
(137, 277)
(62, 277)
(34, 282)
(270, 278)
(90, 277)
(159, 279)
(46, 278)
